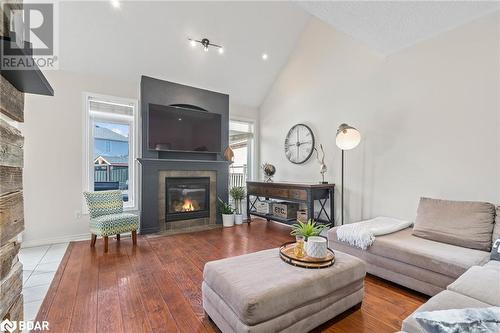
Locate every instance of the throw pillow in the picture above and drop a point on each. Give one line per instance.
(496, 228)
(463, 223)
(478, 320)
(495, 250)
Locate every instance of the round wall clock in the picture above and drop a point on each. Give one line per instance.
(299, 144)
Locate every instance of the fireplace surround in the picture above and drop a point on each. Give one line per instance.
(186, 220)
(186, 198)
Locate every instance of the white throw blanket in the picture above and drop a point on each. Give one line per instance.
(362, 234)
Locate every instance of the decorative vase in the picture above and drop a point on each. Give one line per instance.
(299, 246)
(316, 247)
(238, 219)
(227, 220)
(229, 154)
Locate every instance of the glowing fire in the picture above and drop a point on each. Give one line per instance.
(187, 206)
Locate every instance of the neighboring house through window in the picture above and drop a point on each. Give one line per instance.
(110, 143)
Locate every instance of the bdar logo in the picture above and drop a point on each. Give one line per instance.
(8, 326)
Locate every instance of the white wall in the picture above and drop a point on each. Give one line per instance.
(429, 117)
(53, 164)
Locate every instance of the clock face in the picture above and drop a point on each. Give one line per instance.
(299, 144)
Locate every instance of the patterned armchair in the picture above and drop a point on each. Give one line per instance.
(107, 217)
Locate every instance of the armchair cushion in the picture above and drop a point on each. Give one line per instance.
(107, 225)
(104, 203)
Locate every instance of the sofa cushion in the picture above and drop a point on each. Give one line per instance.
(444, 300)
(493, 264)
(107, 225)
(438, 257)
(481, 283)
(396, 271)
(463, 223)
(260, 286)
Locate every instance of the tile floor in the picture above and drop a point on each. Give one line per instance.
(39, 267)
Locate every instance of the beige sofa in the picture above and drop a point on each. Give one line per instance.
(458, 276)
(479, 287)
(419, 264)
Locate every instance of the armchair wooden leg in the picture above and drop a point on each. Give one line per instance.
(92, 240)
(118, 237)
(105, 244)
(134, 237)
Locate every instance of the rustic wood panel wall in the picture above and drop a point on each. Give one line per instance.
(11, 101)
(11, 195)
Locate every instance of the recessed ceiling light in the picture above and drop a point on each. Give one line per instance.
(193, 43)
(115, 3)
(221, 50)
(264, 56)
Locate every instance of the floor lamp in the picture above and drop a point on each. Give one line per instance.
(347, 138)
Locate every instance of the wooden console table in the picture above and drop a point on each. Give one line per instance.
(307, 193)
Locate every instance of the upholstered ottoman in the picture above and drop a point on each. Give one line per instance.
(258, 292)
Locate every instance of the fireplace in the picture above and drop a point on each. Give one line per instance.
(186, 198)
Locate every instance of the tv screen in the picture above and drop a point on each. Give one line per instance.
(180, 129)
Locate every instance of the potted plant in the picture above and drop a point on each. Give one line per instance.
(308, 229)
(227, 213)
(238, 194)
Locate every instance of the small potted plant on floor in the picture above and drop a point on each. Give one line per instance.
(227, 213)
(238, 194)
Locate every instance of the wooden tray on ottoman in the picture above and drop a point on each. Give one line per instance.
(288, 256)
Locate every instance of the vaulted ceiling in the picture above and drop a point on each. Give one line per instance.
(150, 38)
(388, 26)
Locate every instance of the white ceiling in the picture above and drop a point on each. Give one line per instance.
(388, 26)
(150, 38)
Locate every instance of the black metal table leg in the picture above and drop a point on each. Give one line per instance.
(248, 209)
(332, 207)
(310, 206)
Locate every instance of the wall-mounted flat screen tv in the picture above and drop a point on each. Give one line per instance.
(172, 128)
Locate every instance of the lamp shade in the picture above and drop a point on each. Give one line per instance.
(347, 137)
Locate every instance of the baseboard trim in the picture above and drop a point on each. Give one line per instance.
(54, 240)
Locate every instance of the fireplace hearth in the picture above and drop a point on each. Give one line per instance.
(186, 198)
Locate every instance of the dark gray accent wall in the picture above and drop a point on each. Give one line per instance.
(155, 91)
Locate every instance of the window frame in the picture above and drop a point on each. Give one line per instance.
(252, 146)
(88, 144)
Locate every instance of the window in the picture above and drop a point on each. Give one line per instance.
(241, 140)
(111, 145)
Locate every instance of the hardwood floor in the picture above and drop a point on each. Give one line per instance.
(155, 287)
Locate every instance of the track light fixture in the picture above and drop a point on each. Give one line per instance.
(206, 44)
